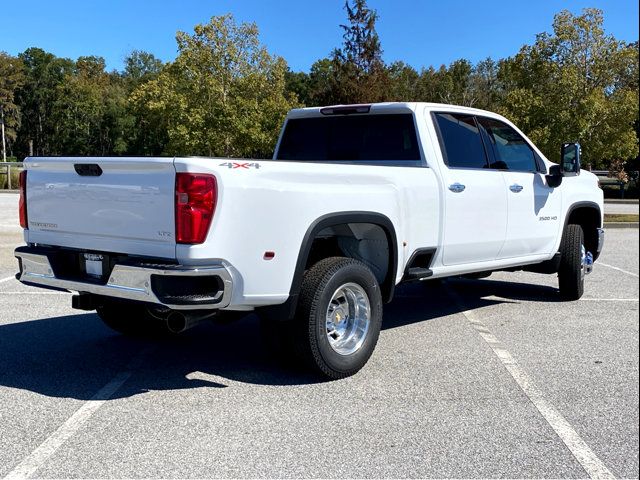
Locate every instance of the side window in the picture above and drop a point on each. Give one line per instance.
(460, 141)
(542, 168)
(507, 149)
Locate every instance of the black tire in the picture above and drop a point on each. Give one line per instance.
(310, 337)
(132, 320)
(571, 271)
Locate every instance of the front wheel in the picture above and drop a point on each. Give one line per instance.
(572, 263)
(338, 317)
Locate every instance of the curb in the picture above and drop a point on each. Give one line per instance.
(620, 224)
(621, 201)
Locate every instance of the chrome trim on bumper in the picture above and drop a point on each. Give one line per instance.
(600, 239)
(126, 282)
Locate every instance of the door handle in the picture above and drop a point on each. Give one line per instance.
(457, 187)
(515, 188)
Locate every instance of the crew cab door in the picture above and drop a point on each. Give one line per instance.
(475, 218)
(533, 220)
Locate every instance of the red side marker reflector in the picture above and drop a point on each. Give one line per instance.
(269, 255)
(22, 203)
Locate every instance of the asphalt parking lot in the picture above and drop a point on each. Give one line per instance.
(470, 378)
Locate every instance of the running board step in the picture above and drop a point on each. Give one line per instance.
(417, 273)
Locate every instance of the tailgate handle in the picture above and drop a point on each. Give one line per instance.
(88, 169)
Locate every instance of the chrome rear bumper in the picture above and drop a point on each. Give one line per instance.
(131, 282)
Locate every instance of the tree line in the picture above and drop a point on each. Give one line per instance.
(226, 95)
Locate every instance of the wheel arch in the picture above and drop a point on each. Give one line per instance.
(589, 216)
(351, 217)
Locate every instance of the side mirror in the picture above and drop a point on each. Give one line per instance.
(570, 159)
(554, 178)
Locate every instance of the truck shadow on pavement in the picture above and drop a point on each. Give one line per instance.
(74, 356)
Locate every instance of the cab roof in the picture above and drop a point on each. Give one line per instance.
(382, 108)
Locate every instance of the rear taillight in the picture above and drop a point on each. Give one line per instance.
(22, 203)
(196, 195)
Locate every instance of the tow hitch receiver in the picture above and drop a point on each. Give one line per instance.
(84, 301)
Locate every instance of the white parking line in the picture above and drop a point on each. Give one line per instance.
(608, 299)
(41, 454)
(520, 300)
(618, 269)
(35, 293)
(594, 467)
(7, 279)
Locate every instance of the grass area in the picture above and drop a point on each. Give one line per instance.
(15, 173)
(620, 217)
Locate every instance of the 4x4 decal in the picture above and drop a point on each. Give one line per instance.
(246, 165)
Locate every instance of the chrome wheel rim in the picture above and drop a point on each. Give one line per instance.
(583, 259)
(348, 318)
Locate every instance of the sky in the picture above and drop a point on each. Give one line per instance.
(418, 32)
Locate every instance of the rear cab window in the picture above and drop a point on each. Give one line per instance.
(374, 139)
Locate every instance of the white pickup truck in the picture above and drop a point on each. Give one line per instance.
(356, 199)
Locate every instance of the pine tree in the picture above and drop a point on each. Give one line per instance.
(358, 72)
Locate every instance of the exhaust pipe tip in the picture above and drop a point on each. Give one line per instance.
(176, 322)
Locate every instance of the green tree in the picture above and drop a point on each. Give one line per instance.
(358, 72)
(223, 96)
(456, 84)
(298, 84)
(146, 130)
(11, 79)
(44, 73)
(461, 84)
(140, 67)
(90, 111)
(319, 86)
(323, 82)
(486, 87)
(428, 86)
(403, 82)
(577, 84)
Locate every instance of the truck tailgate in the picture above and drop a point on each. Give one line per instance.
(125, 206)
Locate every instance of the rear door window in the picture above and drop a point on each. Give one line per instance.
(351, 138)
(507, 149)
(460, 141)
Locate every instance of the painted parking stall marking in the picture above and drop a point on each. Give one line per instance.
(594, 467)
(35, 293)
(618, 269)
(38, 457)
